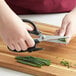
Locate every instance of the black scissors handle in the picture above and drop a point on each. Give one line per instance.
(31, 49)
(36, 32)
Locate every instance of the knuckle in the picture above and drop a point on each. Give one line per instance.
(31, 44)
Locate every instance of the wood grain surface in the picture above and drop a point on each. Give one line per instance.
(53, 51)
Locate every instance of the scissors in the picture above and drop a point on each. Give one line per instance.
(42, 37)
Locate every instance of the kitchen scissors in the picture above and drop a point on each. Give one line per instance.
(42, 37)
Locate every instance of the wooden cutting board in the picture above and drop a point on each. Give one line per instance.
(53, 51)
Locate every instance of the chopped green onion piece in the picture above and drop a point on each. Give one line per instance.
(65, 63)
(62, 39)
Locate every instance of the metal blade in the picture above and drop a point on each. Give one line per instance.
(48, 37)
(57, 41)
(51, 38)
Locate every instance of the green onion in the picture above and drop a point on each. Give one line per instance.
(28, 63)
(34, 60)
(62, 39)
(30, 60)
(65, 63)
(45, 61)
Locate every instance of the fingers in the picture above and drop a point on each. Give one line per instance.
(29, 40)
(23, 44)
(68, 33)
(9, 44)
(17, 47)
(63, 28)
(13, 45)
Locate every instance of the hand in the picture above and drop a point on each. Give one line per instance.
(13, 31)
(14, 34)
(68, 27)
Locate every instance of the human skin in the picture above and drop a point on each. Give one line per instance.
(12, 30)
(68, 26)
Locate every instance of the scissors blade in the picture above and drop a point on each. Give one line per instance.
(51, 38)
(48, 37)
(57, 41)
